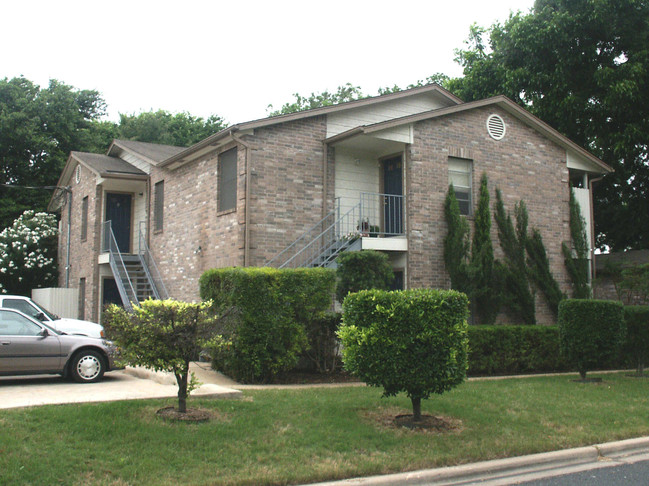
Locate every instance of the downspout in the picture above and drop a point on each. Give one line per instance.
(67, 258)
(246, 232)
(592, 225)
(325, 184)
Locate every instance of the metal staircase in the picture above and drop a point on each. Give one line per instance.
(136, 275)
(335, 233)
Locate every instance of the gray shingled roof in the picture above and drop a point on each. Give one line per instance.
(106, 165)
(152, 151)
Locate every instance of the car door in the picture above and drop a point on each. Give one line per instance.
(24, 348)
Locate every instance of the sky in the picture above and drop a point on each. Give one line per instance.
(234, 58)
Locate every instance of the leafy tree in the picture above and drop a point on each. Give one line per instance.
(517, 295)
(347, 92)
(28, 254)
(412, 341)
(165, 335)
(437, 78)
(456, 243)
(362, 270)
(484, 291)
(583, 67)
(181, 129)
(38, 129)
(576, 255)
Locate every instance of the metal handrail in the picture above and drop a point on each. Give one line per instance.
(117, 265)
(275, 261)
(150, 268)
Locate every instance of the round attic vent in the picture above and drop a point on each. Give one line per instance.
(77, 174)
(496, 127)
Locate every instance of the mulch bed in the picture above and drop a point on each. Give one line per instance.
(191, 415)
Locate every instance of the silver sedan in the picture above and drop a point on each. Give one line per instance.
(29, 347)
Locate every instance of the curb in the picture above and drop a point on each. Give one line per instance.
(499, 469)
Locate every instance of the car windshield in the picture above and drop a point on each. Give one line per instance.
(49, 314)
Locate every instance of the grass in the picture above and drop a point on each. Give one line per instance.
(308, 435)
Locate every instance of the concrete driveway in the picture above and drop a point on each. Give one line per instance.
(29, 391)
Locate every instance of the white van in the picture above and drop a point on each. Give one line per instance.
(61, 324)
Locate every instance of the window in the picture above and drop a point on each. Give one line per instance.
(84, 218)
(459, 174)
(23, 306)
(13, 324)
(227, 180)
(158, 205)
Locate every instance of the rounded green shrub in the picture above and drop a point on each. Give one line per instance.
(412, 341)
(591, 332)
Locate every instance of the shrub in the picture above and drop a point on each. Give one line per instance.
(508, 350)
(576, 255)
(362, 270)
(28, 254)
(412, 341)
(590, 332)
(637, 337)
(322, 350)
(456, 243)
(266, 332)
(164, 335)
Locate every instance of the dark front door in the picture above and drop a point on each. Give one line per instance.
(393, 186)
(118, 212)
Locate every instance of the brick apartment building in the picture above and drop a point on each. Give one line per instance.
(297, 189)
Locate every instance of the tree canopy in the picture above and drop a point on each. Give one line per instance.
(38, 129)
(583, 67)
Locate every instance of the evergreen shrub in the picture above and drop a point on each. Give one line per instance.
(637, 337)
(266, 333)
(591, 332)
(362, 270)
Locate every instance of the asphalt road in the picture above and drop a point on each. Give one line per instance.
(636, 474)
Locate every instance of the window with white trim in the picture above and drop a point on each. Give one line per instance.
(227, 180)
(460, 175)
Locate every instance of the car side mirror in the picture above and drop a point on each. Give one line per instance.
(44, 332)
(40, 316)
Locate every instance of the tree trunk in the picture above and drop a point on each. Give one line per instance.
(582, 374)
(640, 368)
(416, 409)
(181, 379)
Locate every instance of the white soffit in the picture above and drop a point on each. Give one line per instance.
(577, 162)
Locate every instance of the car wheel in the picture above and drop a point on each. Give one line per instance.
(87, 367)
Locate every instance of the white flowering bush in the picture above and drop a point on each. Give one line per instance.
(28, 254)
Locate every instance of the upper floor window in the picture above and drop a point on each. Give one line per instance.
(460, 175)
(158, 205)
(227, 180)
(84, 218)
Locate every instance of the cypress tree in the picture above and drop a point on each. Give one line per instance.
(456, 243)
(576, 259)
(517, 295)
(484, 292)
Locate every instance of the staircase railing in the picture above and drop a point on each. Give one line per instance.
(124, 285)
(150, 267)
(329, 243)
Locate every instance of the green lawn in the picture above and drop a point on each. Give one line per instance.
(308, 435)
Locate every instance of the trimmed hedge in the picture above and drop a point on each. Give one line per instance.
(268, 308)
(362, 270)
(637, 338)
(510, 350)
(591, 332)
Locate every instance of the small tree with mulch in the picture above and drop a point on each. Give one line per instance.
(413, 341)
(165, 335)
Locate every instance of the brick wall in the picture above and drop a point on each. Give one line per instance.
(192, 221)
(524, 165)
(83, 254)
(286, 184)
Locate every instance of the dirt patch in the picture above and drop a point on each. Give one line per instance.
(191, 415)
(397, 419)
